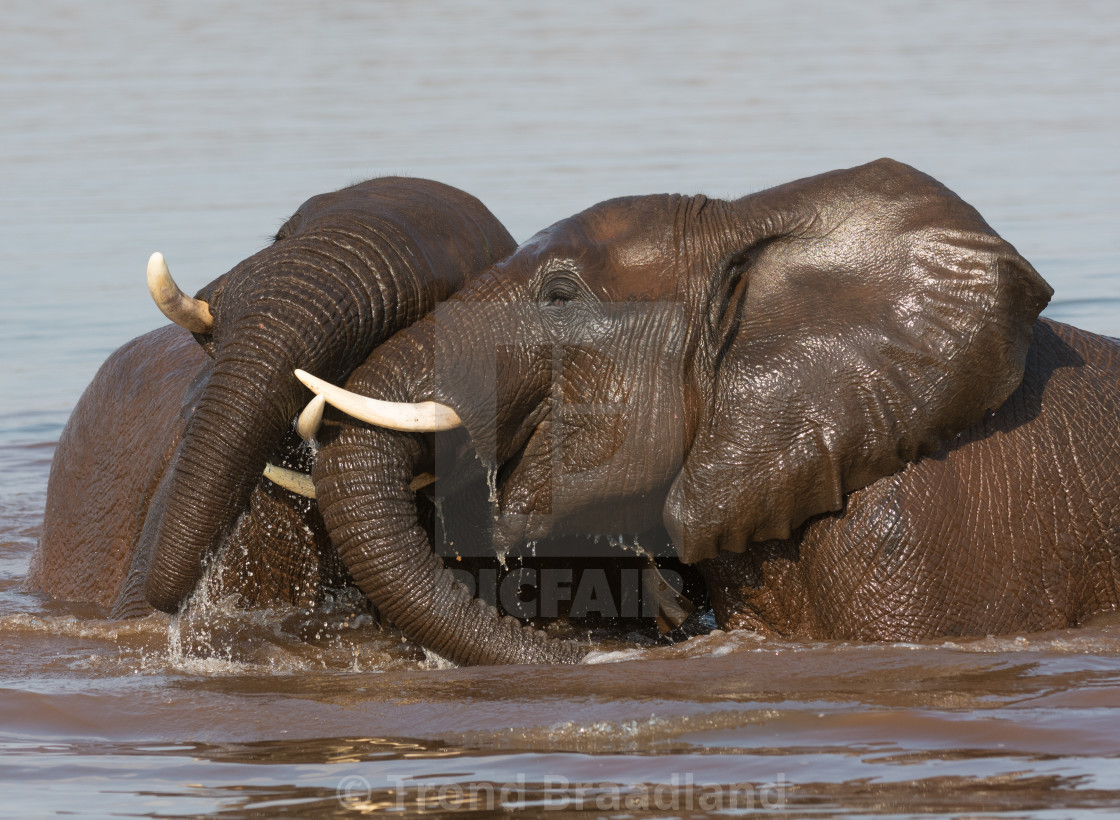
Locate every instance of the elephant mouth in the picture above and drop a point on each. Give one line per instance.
(520, 493)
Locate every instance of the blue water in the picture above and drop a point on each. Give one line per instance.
(196, 128)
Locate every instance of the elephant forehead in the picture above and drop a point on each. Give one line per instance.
(640, 241)
(403, 200)
(357, 197)
(624, 250)
(639, 271)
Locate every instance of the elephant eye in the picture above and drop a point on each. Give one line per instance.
(561, 288)
(288, 228)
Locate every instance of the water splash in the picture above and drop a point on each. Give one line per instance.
(441, 522)
(191, 631)
(433, 660)
(492, 482)
(619, 541)
(216, 634)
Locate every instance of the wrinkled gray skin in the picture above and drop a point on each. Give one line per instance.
(1011, 526)
(346, 271)
(739, 370)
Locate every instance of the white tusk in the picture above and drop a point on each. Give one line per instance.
(307, 425)
(421, 481)
(425, 417)
(193, 314)
(290, 480)
(301, 483)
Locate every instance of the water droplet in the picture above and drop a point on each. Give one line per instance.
(492, 482)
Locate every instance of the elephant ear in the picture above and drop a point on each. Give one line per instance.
(863, 318)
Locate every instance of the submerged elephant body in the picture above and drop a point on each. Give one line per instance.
(108, 464)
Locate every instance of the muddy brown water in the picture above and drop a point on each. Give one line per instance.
(195, 129)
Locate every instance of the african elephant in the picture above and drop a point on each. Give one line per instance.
(818, 389)
(344, 273)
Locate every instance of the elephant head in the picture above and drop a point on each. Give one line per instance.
(728, 368)
(344, 273)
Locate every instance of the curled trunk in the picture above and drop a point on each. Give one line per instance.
(362, 478)
(228, 439)
(364, 496)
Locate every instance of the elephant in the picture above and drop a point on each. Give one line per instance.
(345, 272)
(835, 397)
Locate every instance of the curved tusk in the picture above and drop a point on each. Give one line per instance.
(309, 421)
(193, 314)
(301, 483)
(421, 481)
(425, 417)
(290, 480)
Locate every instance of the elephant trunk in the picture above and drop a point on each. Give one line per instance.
(362, 478)
(388, 554)
(244, 411)
(252, 397)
